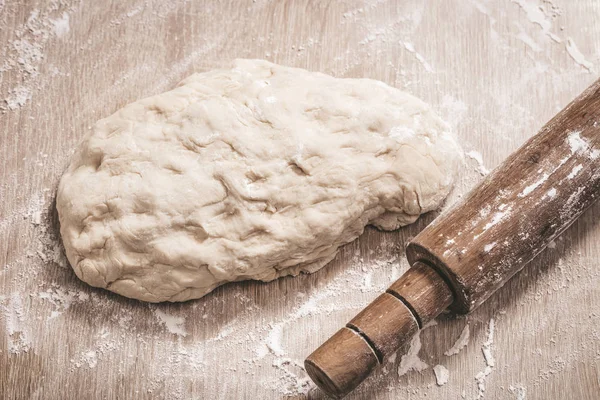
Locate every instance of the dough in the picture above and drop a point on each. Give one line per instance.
(254, 172)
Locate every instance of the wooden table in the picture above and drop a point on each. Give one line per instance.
(495, 70)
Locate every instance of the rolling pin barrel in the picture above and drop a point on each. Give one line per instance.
(524, 204)
(473, 249)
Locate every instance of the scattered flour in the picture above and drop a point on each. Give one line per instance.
(174, 324)
(496, 219)
(488, 247)
(90, 358)
(294, 380)
(551, 193)
(490, 362)
(575, 171)
(104, 345)
(17, 97)
(453, 110)
(62, 299)
(29, 317)
(26, 52)
(577, 56)
(529, 189)
(411, 48)
(460, 343)
(274, 340)
(61, 25)
(577, 143)
(17, 332)
(528, 40)
(536, 15)
(441, 375)
(475, 155)
(580, 145)
(519, 390)
(411, 361)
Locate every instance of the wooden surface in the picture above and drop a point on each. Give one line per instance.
(496, 70)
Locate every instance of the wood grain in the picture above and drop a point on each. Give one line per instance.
(423, 290)
(486, 66)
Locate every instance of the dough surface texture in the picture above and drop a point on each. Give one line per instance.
(254, 172)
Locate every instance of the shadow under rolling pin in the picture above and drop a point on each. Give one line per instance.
(471, 250)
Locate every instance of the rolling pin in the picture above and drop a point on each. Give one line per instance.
(471, 250)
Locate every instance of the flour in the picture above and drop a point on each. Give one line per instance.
(551, 193)
(488, 247)
(441, 374)
(453, 111)
(481, 6)
(411, 361)
(577, 56)
(460, 343)
(104, 346)
(174, 324)
(519, 391)
(581, 145)
(528, 40)
(475, 155)
(529, 189)
(17, 97)
(132, 12)
(490, 362)
(577, 143)
(576, 169)
(503, 212)
(124, 336)
(274, 340)
(17, 333)
(536, 15)
(62, 299)
(26, 53)
(411, 48)
(294, 380)
(335, 297)
(61, 25)
(90, 358)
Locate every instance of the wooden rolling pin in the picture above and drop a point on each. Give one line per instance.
(470, 251)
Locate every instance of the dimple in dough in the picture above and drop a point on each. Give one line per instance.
(253, 172)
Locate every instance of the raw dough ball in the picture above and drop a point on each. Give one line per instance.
(254, 172)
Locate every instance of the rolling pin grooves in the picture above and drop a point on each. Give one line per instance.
(372, 345)
(378, 331)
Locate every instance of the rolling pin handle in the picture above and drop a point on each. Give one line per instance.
(377, 332)
(424, 292)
